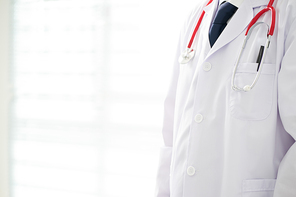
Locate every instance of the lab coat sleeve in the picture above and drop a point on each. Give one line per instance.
(163, 171)
(286, 179)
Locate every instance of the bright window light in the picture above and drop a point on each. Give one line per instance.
(90, 77)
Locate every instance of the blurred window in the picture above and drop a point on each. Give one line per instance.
(89, 80)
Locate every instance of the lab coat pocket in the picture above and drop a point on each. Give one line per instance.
(258, 188)
(255, 104)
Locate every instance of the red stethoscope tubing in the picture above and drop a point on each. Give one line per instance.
(197, 26)
(253, 21)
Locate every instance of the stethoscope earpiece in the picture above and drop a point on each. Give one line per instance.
(247, 88)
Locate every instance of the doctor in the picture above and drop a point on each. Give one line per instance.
(230, 114)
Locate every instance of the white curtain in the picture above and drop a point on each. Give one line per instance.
(89, 79)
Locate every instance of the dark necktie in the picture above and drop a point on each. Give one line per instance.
(224, 13)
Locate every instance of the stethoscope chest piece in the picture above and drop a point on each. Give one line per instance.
(186, 56)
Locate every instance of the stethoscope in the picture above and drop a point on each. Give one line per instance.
(190, 52)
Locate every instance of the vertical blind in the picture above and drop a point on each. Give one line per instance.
(88, 82)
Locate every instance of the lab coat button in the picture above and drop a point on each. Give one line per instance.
(198, 118)
(207, 66)
(190, 171)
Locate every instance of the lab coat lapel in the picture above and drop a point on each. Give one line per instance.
(210, 10)
(209, 13)
(237, 24)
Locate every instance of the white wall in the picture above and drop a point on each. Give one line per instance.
(4, 96)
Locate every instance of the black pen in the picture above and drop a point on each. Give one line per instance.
(259, 58)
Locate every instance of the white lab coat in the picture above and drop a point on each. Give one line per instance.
(223, 143)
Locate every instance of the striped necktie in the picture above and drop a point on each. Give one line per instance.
(225, 12)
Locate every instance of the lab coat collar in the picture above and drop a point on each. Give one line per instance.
(209, 9)
(253, 3)
(237, 24)
(257, 3)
